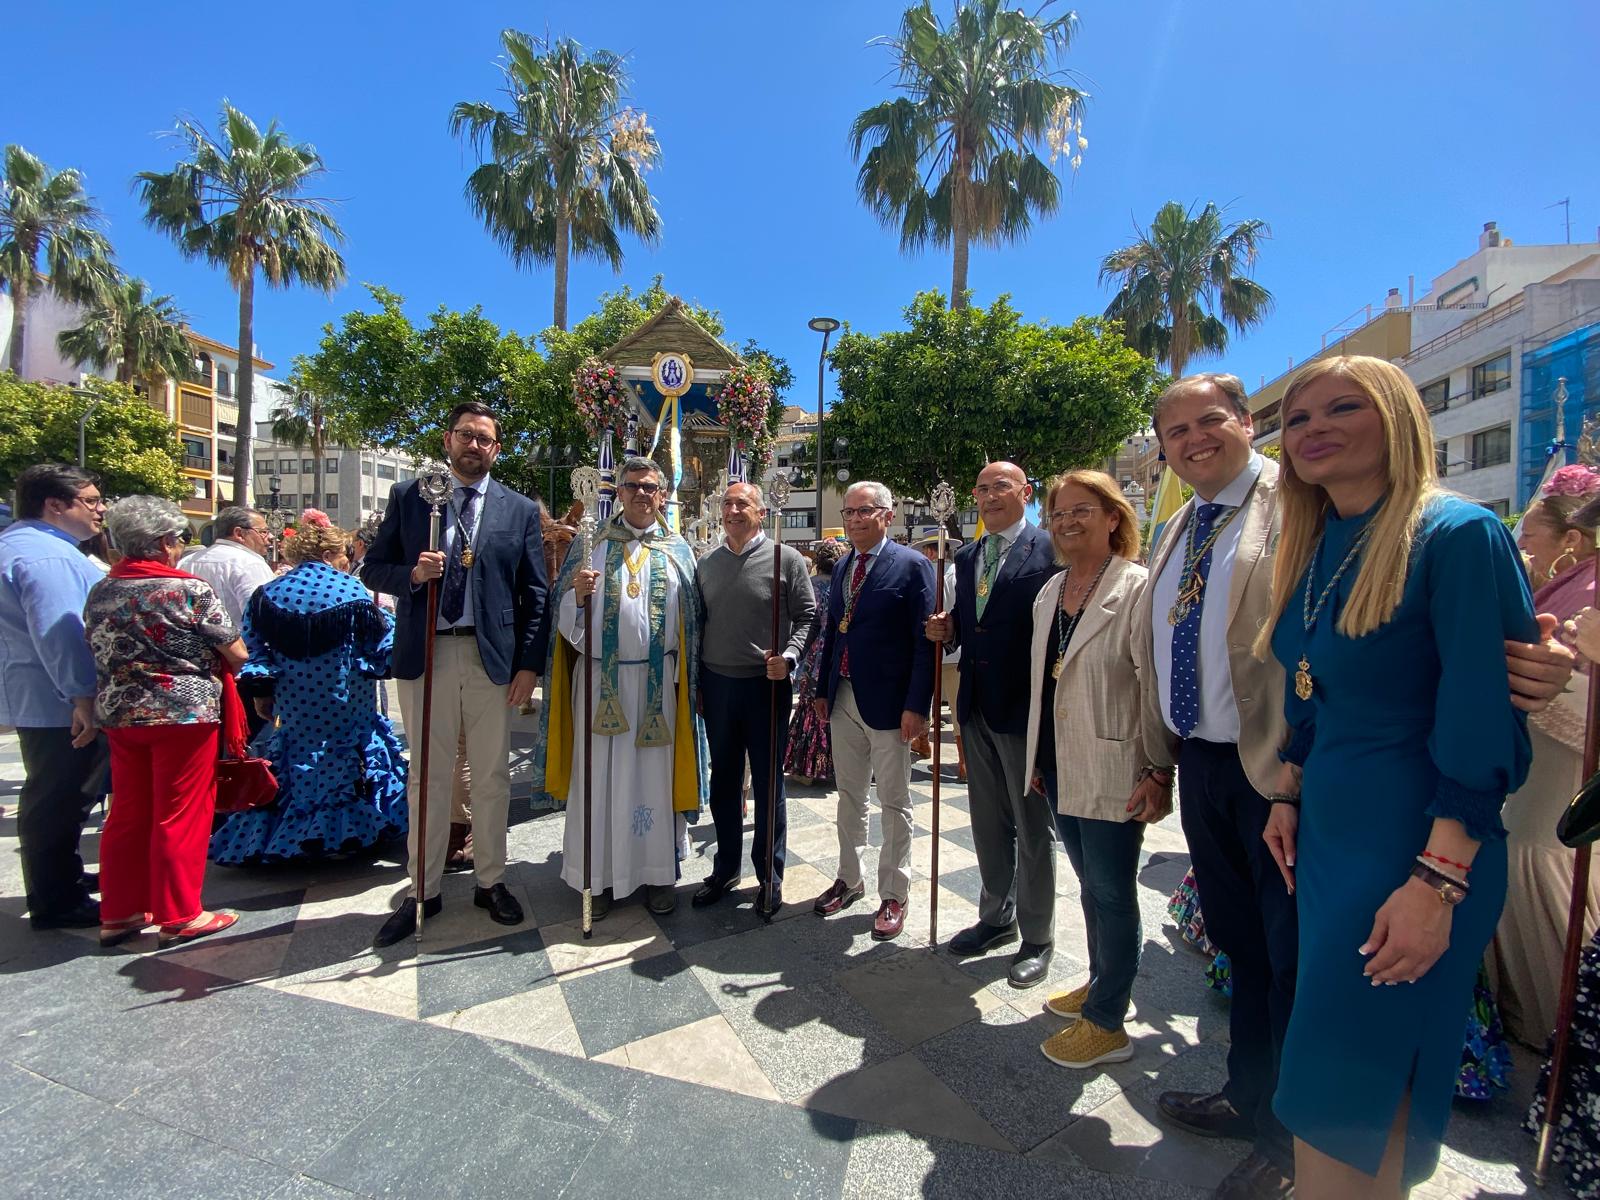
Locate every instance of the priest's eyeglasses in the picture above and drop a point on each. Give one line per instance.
(643, 486)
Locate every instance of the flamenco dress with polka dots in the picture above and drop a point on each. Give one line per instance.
(318, 637)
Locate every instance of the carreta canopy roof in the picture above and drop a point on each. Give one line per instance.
(673, 329)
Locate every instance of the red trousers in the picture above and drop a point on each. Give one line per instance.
(153, 846)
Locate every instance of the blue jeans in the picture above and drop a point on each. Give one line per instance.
(1105, 854)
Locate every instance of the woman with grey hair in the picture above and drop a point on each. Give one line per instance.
(164, 652)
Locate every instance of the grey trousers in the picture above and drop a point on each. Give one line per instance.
(1012, 832)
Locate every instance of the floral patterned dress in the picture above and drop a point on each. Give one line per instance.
(810, 752)
(1577, 1144)
(316, 634)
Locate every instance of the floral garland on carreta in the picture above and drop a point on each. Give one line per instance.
(600, 397)
(743, 404)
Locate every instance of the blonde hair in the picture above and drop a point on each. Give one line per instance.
(1409, 463)
(314, 538)
(1125, 537)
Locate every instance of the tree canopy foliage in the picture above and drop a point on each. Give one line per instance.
(961, 387)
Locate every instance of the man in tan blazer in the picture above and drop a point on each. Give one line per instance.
(1216, 715)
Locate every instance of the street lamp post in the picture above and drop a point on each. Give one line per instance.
(825, 326)
(83, 421)
(274, 517)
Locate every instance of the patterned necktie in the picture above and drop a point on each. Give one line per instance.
(857, 578)
(993, 547)
(1185, 689)
(453, 600)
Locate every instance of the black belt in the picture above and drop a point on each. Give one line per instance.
(458, 631)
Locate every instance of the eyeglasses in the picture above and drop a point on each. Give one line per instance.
(642, 487)
(92, 501)
(1078, 512)
(998, 488)
(865, 510)
(485, 440)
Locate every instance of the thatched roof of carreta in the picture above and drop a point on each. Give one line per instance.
(672, 329)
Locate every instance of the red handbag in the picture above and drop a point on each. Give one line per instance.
(243, 782)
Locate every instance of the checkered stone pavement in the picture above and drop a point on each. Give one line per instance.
(723, 1054)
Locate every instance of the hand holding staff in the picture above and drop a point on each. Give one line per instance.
(777, 495)
(586, 488)
(435, 491)
(942, 504)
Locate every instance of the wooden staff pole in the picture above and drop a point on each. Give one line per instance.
(778, 493)
(586, 488)
(434, 490)
(942, 505)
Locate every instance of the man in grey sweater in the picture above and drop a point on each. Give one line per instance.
(739, 677)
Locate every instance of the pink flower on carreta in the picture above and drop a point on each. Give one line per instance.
(1575, 480)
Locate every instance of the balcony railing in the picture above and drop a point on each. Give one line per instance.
(1466, 329)
(196, 462)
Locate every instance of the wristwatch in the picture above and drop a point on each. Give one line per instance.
(1450, 892)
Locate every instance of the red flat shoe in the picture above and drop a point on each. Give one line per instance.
(174, 935)
(114, 933)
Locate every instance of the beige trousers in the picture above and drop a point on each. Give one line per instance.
(461, 794)
(463, 699)
(861, 756)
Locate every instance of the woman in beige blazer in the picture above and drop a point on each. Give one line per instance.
(1085, 716)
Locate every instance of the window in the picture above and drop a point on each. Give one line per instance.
(1491, 447)
(288, 465)
(385, 470)
(1441, 460)
(287, 500)
(202, 488)
(1492, 376)
(265, 466)
(330, 501)
(1500, 508)
(1436, 396)
(308, 466)
(800, 518)
(331, 466)
(224, 382)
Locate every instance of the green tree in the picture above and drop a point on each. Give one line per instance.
(134, 449)
(1185, 282)
(954, 159)
(564, 166)
(301, 420)
(46, 217)
(962, 387)
(126, 327)
(239, 201)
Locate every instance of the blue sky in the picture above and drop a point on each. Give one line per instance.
(1376, 138)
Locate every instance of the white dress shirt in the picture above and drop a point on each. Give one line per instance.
(1219, 712)
(447, 541)
(234, 572)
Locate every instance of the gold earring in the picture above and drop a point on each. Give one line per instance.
(1556, 568)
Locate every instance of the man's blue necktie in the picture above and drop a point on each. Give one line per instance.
(1185, 689)
(453, 597)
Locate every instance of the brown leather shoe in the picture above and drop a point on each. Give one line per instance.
(839, 896)
(458, 851)
(891, 919)
(1207, 1113)
(1256, 1178)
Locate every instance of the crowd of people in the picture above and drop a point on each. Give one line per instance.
(1328, 657)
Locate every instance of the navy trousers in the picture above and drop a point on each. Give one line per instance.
(738, 715)
(1251, 917)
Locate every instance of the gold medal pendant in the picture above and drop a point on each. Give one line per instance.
(467, 557)
(983, 587)
(633, 589)
(1055, 671)
(1178, 613)
(1302, 679)
(844, 625)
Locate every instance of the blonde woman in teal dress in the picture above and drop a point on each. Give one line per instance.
(1392, 603)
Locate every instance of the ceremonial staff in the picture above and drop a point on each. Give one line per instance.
(586, 489)
(1566, 1007)
(434, 488)
(778, 493)
(942, 504)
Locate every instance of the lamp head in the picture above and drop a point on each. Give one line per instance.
(823, 324)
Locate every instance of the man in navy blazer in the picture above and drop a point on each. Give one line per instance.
(997, 579)
(490, 641)
(875, 692)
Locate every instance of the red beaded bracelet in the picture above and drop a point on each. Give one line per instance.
(1439, 858)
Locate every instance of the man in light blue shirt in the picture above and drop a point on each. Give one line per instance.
(47, 683)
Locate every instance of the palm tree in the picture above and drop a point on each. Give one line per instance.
(1184, 283)
(239, 201)
(300, 420)
(953, 159)
(45, 214)
(566, 163)
(141, 334)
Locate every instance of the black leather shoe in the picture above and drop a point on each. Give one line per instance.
(402, 922)
(661, 899)
(1256, 1178)
(763, 905)
(712, 890)
(981, 937)
(1029, 965)
(600, 905)
(502, 905)
(84, 915)
(1208, 1114)
(91, 881)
